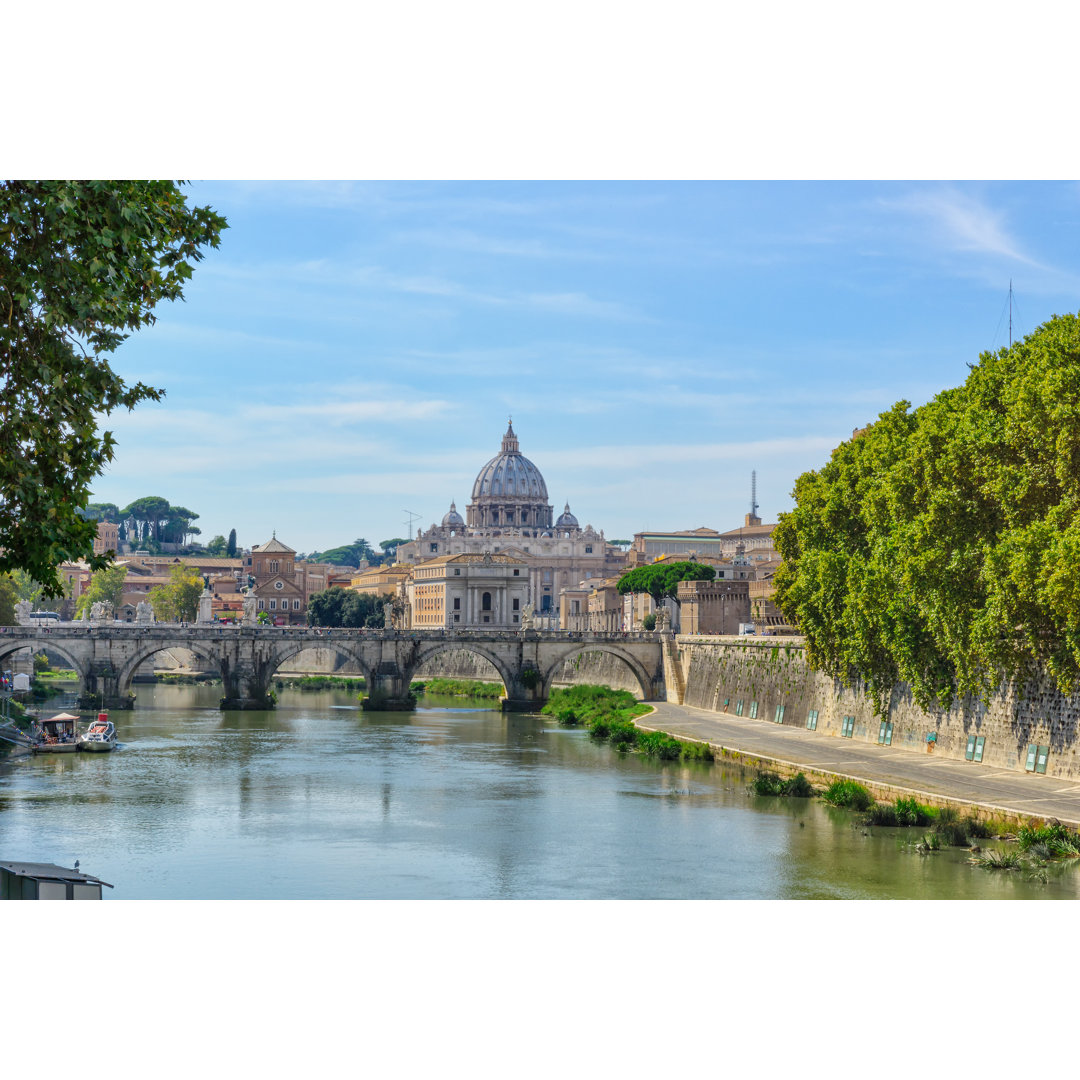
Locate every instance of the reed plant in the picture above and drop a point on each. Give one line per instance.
(848, 794)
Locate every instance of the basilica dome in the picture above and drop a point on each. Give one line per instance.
(453, 519)
(510, 473)
(509, 491)
(566, 519)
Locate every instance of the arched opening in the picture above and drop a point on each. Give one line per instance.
(323, 659)
(169, 664)
(58, 683)
(485, 602)
(604, 666)
(459, 663)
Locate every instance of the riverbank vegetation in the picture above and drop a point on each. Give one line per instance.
(309, 683)
(466, 688)
(938, 546)
(609, 717)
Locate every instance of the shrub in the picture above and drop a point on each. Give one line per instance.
(996, 859)
(882, 814)
(648, 622)
(658, 744)
(910, 812)
(41, 663)
(849, 794)
(695, 751)
(799, 787)
(1028, 836)
(769, 783)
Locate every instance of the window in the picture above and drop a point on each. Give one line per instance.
(811, 720)
(515, 618)
(296, 605)
(588, 549)
(273, 605)
(517, 605)
(273, 566)
(434, 547)
(485, 603)
(779, 717)
(457, 603)
(547, 575)
(260, 605)
(487, 618)
(457, 618)
(517, 573)
(753, 710)
(457, 571)
(847, 730)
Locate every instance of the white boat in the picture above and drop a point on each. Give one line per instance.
(100, 736)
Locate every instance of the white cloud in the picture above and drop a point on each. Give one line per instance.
(961, 221)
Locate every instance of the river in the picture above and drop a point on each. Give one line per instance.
(319, 799)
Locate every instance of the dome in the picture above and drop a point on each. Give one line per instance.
(566, 519)
(453, 519)
(510, 473)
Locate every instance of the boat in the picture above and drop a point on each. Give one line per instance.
(57, 735)
(100, 736)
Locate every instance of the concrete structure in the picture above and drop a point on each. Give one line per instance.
(1029, 727)
(283, 585)
(510, 514)
(107, 657)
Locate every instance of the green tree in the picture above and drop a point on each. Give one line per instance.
(149, 516)
(230, 547)
(344, 607)
(101, 512)
(106, 584)
(347, 555)
(82, 264)
(389, 547)
(178, 599)
(217, 546)
(661, 580)
(8, 598)
(940, 547)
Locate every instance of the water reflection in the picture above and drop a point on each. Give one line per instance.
(319, 799)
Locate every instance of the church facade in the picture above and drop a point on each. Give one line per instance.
(509, 514)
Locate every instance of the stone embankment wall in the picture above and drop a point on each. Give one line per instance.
(766, 673)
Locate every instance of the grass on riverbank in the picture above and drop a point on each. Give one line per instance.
(186, 678)
(466, 688)
(609, 714)
(311, 683)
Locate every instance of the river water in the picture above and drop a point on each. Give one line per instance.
(319, 799)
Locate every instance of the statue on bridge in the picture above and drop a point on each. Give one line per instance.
(250, 614)
(101, 612)
(22, 613)
(144, 613)
(527, 617)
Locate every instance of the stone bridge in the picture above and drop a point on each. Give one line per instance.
(106, 657)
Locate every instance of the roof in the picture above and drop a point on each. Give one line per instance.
(274, 544)
(749, 530)
(49, 871)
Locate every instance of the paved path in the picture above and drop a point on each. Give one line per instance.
(963, 781)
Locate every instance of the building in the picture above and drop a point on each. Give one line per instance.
(108, 537)
(468, 592)
(381, 580)
(713, 607)
(509, 514)
(283, 586)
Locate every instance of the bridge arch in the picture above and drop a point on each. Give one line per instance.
(428, 650)
(341, 646)
(9, 648)
(155, 645)
(644, 679)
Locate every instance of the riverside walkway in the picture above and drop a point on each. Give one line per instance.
(760, 743)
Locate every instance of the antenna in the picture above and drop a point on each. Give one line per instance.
(1010, 313)
(413, 516)
(753, 493)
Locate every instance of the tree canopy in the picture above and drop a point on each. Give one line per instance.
(82, 263)
(178, 599)
(347, 555)
(105, 584)
(343, 607)
(940, 547)
(661, 580)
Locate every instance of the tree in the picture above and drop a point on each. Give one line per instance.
(178, 600)
(217, 546)
(107, 585)
(82, 263)
(8, 598)
(348, 554)
(101, 512)
(149, 516)
(940, 547)
(344, 607)
(230, 548)
(390, 547)
(661, 580)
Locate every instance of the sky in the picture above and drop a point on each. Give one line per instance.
(352, 352)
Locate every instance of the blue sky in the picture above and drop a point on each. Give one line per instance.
(353, 350)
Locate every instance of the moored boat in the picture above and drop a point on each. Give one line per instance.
(57, 735)
(100, 736)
